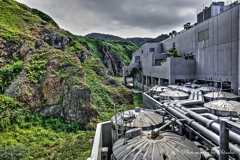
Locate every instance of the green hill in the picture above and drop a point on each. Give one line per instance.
(54, 87)
(139, 41)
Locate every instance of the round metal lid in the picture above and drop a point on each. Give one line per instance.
(221, 95)
(207, 89)
(143, 118)
(174, 94)
(166, 146)
(159, 88)
(173, 86)
(223, 105)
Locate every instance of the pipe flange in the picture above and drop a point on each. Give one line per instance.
(190, 121)
(209, 123)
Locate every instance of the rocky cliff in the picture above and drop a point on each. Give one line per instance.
(56, 73)
(113, 60)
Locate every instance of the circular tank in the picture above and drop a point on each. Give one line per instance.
(165, 147)
(220, 96)
(173, 95)
(173, 86)
(155, 91)
(224, 108)
(206, 89)
(138, 118)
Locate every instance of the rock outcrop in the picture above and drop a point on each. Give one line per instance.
(112, 59)
(55, 39)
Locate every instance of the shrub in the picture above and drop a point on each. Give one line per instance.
(8, 73)
(18, 151)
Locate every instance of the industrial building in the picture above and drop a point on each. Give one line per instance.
(190, 107)
(212, 45)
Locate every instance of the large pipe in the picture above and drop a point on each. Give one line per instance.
(200, 110)
(207, 133)
(211, 124)
(224, 139)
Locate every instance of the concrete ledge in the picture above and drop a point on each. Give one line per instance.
(98, 142)
(149, 102)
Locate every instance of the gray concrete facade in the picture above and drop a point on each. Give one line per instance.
(216, 53)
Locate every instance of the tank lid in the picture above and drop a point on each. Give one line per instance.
(221, 95)
(223, 105)
(143, 118)
(207, 89)
(174, 94)
(166, 146)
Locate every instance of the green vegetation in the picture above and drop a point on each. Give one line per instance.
(31, 136)
(27, 135)
(15, 20)
(124, 49)
(174, 52)
(9, 72)
(45, 17)
(101, 93)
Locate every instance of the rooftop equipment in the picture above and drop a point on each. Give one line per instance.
(138, 118)
(173, 95)
(206, 89)
(220, 96)
(166, 146)
(224, 108)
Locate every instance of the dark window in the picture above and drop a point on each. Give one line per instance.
(203, 35)
(137, 59)
(206, 34)
(142, 51)
(158, 62)
(200, 36)
(174, 46)
(151, 49)
(144, 80)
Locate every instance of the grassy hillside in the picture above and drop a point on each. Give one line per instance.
(26, 133)
(139, 41)
(124, 49)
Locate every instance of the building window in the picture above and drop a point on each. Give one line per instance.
(142, 51)
(174, 46)
(151, 49)
(206, 34)
(158, 62)
(203, 35)
(200, 36)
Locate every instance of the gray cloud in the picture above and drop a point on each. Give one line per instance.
(126, 18)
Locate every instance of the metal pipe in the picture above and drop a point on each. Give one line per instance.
(200, 110)
(116, 121)
(210, 124)
(224, 140)
(155, 132)
(207, 133)
(180, 126)
(122, 117)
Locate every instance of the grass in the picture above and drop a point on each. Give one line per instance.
(27, 135)
(36, 136)
(101, 93)
(9, 72)
(124, 49)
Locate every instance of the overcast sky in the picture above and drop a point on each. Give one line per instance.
(124, 18)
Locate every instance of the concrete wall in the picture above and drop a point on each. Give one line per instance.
(148, 101)
(103, 138)
(217, 57)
